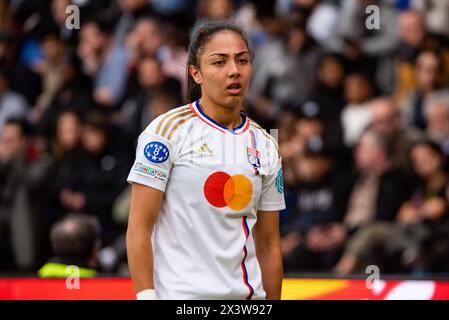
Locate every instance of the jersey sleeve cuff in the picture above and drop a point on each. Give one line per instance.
(134, 178)
(274, 206)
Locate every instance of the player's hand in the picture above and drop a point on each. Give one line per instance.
(408, 214)
(290, 242)
(322, 238)
(434, 208)
(72, 200)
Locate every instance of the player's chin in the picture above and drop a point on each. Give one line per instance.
(232, 101)
(234, 98)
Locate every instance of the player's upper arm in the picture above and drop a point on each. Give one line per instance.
(146, 203)
(155, 154)
(272, 197)
(266, 229)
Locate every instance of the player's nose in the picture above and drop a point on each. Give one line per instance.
(233, 69)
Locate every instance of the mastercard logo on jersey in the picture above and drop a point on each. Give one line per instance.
(221, 190)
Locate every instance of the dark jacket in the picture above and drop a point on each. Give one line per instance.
(394, 190)
(318, 202)
(103, 178)
(21, 182)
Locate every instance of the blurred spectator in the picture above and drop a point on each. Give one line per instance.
(50, 68)
(322, 23)
(329, 88)
(87, 9)
(286, 125)
(151, 81)
(32, 18)
(86, 178)
(174, 54)
(428, 201)
(378, 191)
(307, 123)
(428, 74)
(319, 17)
(380, 187)
(12, 104)
(412, 38)
(166, 41)
(144, 39)
(21, 179)
(60, 16)
(7, 52)
(419, 241)
(214, 10)
(104, 61)
(357, 114)
(25, 79)
(5, 15)
(131, 11)
(102, 171)
(320, 199)
(282, 70)
(161, 103)
(328, 92)
(436, 113)
(370, 42)
(386, 120)
(75, 241)
(436, 15)
(247, 17)
(301, 10)
(174, 9)
(74, 94)
(65, 149)
(367, 50)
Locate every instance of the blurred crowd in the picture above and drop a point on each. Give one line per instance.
(362, 112)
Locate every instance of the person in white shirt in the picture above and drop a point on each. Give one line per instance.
(357, 115)
(207, 186)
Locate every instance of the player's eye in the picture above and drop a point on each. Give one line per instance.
(219, 63)
(243, 61)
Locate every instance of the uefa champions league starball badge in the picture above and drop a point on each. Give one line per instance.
(156, 152)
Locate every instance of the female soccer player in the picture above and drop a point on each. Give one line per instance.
(207, 186)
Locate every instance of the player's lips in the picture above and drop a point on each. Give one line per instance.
(234, 88)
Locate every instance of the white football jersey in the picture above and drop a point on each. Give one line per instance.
(215, 180)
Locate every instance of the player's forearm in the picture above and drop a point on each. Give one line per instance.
(270, 260)
(140, 258)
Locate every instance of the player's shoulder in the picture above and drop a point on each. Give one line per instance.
(168, 124)
(263, 134)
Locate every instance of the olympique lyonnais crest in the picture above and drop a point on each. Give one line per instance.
(253, 157)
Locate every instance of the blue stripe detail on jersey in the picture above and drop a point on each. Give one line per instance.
(244, 119)
(251, 290)
(245, 252)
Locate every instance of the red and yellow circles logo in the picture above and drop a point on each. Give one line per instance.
(221, 190)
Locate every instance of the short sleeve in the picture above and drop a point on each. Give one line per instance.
(153, 163)
(272, 197)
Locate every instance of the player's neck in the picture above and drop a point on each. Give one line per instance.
(227, 117)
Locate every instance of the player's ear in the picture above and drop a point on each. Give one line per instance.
(195, 74)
